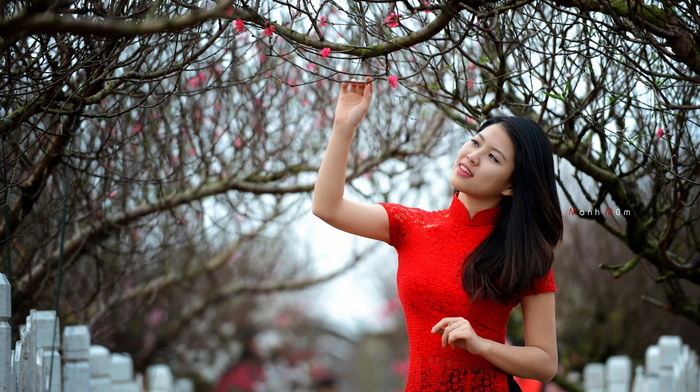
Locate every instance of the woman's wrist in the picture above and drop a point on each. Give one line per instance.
(344, 126)
(482, 346)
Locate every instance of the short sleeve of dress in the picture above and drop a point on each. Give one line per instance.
(397, 219)
(541, 285)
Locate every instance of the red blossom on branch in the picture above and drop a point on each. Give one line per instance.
(393, 19)
(269, 30)
(323, 21)
(393, 81)
(325, 52)
(660, 132)
(239, 26)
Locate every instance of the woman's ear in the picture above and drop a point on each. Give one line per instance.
(508, 191)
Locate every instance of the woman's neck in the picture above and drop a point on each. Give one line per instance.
(476, 205)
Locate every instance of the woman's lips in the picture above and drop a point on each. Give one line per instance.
(464, 170)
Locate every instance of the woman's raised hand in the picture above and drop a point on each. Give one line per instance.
(353, 102)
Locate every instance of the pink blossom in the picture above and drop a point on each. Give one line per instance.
(238, 142)
(393, 19)
(428, 4)
(390, 307)
(393, 81)
(194, 82)
(155, 317)
(239, 26)
(400, 367)
(660, 132)
(323, 21)
(325, 52)
(229, 11)
(269, 30)
(284, 320)
(293, 84)
(112, 194)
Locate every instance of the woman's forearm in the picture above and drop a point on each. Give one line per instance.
(522, 361)
(330, 184)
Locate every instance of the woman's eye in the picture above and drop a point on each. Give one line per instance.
(474, 142)
(493, 157)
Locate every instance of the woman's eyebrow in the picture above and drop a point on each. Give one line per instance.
(493, 148)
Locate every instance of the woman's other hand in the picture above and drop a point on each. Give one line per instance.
(458, 332)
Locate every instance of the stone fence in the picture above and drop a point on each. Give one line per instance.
(669, 366)
(43, 360)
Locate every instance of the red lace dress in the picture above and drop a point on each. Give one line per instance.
(431, 248)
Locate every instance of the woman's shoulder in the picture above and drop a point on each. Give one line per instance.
(402, 209)
(406, 214)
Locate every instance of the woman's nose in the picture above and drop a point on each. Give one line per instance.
(473, 158)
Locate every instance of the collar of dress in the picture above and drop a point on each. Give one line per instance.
(487, 217)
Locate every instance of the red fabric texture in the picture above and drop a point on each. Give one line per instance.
(432, 247)
(528, 385)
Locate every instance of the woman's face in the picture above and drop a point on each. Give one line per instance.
(484, 165)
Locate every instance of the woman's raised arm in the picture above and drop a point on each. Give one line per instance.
(329, 204)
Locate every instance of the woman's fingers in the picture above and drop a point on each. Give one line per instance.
(454, 329)
(444, 323)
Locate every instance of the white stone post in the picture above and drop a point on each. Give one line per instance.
(618, 374)
(693, 372)
(639, 379)
(140, 383)
(5, 335)
(100, 369)
(76, 354)
(25, 359)
(680, 370)
(48, 342)
(16, 365)
(594, 377)
(670, 352)
(123, 374)
(160, 378)
(184, 385)
(652, 363)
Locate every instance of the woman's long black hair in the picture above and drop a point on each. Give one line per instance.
(521, 245)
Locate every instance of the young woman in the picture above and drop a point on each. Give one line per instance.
(462, 270)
